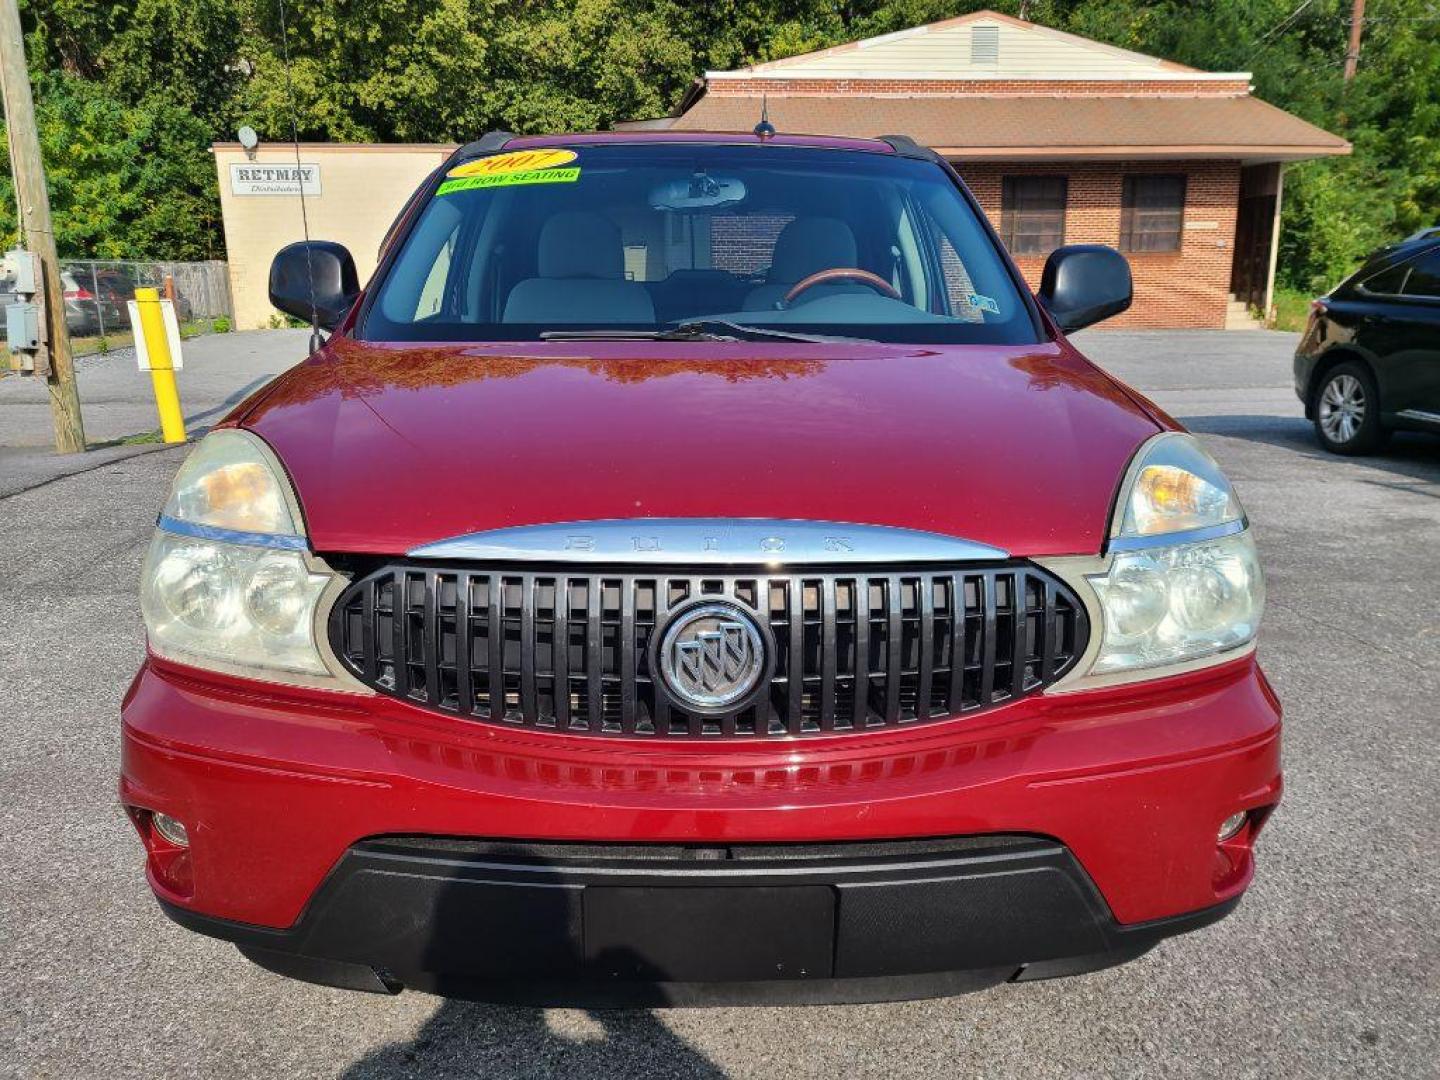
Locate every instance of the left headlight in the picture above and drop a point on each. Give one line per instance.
(228, 582)
(1182, 585)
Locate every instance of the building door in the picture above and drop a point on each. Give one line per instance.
(1255, 234)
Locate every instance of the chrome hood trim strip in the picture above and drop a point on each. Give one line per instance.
(709, 542)
(283, 541)
(1175, 539)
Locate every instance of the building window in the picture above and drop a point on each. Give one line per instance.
(1152, 213)
(1032, 220)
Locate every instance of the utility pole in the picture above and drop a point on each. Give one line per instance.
(1357, 25)
(36, 232)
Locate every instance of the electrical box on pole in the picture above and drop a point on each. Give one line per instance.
(24, 317)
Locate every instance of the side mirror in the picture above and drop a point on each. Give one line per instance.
(1084, 283)
(336, 284)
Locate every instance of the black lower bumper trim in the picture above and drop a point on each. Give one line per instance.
(598, 925)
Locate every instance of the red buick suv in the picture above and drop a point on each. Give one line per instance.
(697, 568)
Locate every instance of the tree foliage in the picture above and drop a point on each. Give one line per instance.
(126, 180)
(130, 94)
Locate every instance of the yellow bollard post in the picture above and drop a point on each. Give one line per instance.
(162, 370)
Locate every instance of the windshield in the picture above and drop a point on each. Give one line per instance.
(631, 238)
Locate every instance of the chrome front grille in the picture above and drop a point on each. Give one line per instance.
(571, 649)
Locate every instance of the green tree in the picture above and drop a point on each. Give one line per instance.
(177, 74)
(126, 181)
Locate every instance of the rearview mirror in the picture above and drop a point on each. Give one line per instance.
(701, 191)
(336, 285)
(1084, 283)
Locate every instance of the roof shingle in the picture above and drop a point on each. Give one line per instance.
(1036, 127)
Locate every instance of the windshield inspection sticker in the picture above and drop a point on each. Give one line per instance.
(534, 176)
(520, 161)
(984, 303)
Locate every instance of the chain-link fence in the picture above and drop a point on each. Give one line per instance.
(96, 292)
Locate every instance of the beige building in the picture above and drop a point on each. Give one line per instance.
(352, 194)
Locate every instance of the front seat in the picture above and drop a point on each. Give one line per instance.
(581, 265)
(804, 247)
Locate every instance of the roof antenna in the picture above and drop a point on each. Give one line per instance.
(315, 339)
(764, 129)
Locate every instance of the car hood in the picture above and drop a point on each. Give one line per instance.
(391, 447)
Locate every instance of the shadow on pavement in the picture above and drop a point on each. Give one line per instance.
(195, 423)
(468, 1039)
(1408, 454)
(476, 932)
(193, 420)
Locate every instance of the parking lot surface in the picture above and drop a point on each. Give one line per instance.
(1331, 966)
(118, 403)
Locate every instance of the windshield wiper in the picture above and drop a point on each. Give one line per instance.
(684, 332)
(698, 330)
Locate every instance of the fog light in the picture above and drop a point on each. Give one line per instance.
(171, 830)
(1232, 825)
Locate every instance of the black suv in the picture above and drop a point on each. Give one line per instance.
(1369, 362)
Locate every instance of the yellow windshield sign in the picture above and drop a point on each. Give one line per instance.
(520, 161)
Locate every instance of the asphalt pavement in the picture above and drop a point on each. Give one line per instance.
(1330, 968)
(118, 404)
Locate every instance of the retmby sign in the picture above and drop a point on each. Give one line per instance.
(274, 179)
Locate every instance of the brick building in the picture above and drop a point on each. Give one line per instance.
(1063, 140)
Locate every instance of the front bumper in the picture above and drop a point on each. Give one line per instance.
(611, 925)
(1095, 813)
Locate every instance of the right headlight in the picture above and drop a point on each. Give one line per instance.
(1171, 604)
(229, 583)
(1182, 584)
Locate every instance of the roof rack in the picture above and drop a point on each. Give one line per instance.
(905, 146)
(491, 140)
(1422, 234)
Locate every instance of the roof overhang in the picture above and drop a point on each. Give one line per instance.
(782, 76)
(1248, 154)
(1060, 127)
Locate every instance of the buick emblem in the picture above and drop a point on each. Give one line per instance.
(712, 656)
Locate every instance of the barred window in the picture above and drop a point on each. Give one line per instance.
(1032, 219)
(1152, 213)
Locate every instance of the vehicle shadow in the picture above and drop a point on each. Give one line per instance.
(477, 933)
(468, 1039)
(1408, 454)
(215, 412)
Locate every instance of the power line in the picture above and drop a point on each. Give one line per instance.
(1285, 23)
(1277, 30)
(315, 339)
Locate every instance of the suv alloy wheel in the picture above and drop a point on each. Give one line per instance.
(1347, 414)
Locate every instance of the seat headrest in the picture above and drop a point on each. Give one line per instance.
(580, 244)
(810, 244)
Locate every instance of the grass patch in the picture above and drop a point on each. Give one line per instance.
(91, 346)
(144, 438)
(1292, 309)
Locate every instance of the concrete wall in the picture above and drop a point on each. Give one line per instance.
(362, 188)
(1185, 288)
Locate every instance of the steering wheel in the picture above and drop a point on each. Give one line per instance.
(843, 273)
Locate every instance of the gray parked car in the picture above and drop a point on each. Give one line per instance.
(88, 312)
